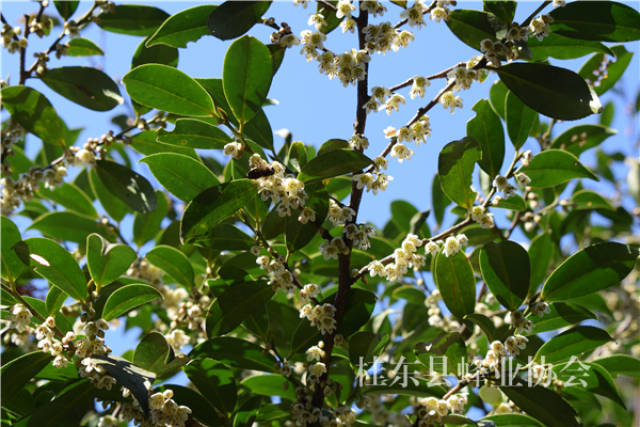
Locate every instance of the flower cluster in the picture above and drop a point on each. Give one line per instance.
(450, 247)
(463, 76)
(540, 26)
(286, 192)
(482, 216)
(279, 277)
(322, 316)
(10, 39)
(358, 142)
(384, 37)
(359, 235)
(21, 324)
(404, 257)
(436, 318)
(431, 410)
(339, 215)
(380, 415)
(374, 182)
(378, 97)
(284, 37)
(450, 101)
(518, 321)
(540, 308)
(165, 411)
(419, 87)
(502, 185)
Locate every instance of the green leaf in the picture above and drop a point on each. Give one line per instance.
(236, 303)
(603, 80)
(544, 404)
(147, 225)
(270, 385)
(127, 298)
(168, 89)
(33, 111)
(246, 76)
(66, 8)
(620, 364)
(127, 185)
(540, 254)
(587, 199)
(110, 203)
(82, 47)
(505, 269)
(17, 373)
(145, 143)
(195, 134)
(505, 10)
(86, 86)
(12, 264)
(473, 26)
(520, 119)
(556, 46)
(365, 345)
(160, 54)
(72, 198)
(334, 163)
(572, 342)
(359, 305)
(214, 205)
(185, 26)
(203, 411)
(578, 139)
(68, 226)
(236, 353)
(597, 20)
(454, 278)
(58, 266)
(515, 202)
(232, 19)
(561, 315)
(455, 166)
(439, 200)
(486, 128)
(330, 19)
(181, 175)
(55, 300)
(174, 263)
(215, 381)
(67, 408)
(152, 352)
(107, 261)
(498, 96)
(134, 20)
(513, 420)
(555, 92)
(590, 270)
(554, 167)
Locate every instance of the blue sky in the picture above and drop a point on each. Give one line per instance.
(315, 108)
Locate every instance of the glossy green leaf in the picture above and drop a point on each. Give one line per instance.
(603, 80)
(578, 139)
(72, 198)
(560, 316)
(232, 19)
(181, 175)
(473, 26)
(82, 47)
(590, 270)
(146, 143)
(134, 20)
(237, 353)
(334, 163)
(195, 134)
(127, 298)
(152, 352)
(236, 303)
(505, 10)
(246, 76)
(454, 278)
(66, 8)
(214, 205)
(513, 420)
(17, 373)
(174, 263)
(505, 269)
(12, 264)
(556, 46)
(555, 92)
(620, 364)
(147, 225)
(202, 409)
(572, 342)
(554, 167)
(498, 96)
(215, 381)
(515, 202)
(455, 166)
(58, 266)
(365, 345)
(520, 119)
(35, 113)
(270, 385)
(541, 252)
(486, 128)
(439, 200)
(543, 404)
(168, 89)
(597, 20)
(110, 203)
(55, 300)
(359, 303)
(68, 226)
(86, 86)
(587, 199)
(160, 54)
(185, 26)
(67, 408)
(127, 185)
(107, 261)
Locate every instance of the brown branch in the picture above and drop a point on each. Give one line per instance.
(428, 10)
(439, 75)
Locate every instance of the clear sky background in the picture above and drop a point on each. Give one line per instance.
(315, 108)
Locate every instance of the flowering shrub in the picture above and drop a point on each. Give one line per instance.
(506, 304)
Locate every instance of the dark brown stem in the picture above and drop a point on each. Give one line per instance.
(428, 10)
(23, 51)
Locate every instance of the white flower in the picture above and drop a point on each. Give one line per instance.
(402, 152)
(315, 353)
(418, 87)
(450, 101)
(451, 246)
(233, 149)
(393, 103)
(344, 9)
(318, 369)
